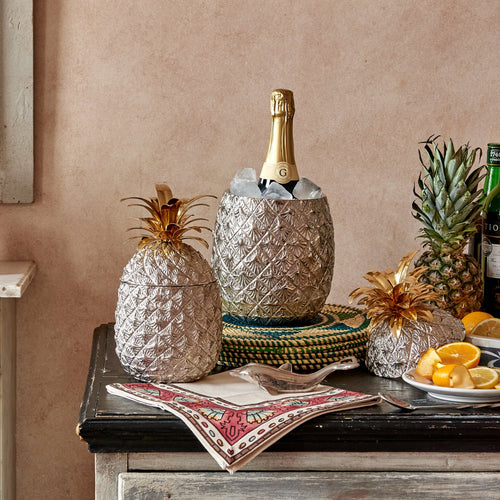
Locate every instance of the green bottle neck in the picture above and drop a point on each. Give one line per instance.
(492, 179)
(492, 201)
(491, 191)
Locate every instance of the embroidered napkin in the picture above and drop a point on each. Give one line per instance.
(235, 420)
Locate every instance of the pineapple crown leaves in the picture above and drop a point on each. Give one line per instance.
(448, 200)
(169, 218)
(396, 297)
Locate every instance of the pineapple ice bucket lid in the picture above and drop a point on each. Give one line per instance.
(162, 239)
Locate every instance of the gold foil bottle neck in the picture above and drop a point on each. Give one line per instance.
(282, 103)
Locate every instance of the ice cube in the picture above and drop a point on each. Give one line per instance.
(241, 187)
(306, 190)
(246, 174)
(276, 191)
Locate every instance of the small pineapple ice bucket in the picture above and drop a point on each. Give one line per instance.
(273, 259)
(168, 324)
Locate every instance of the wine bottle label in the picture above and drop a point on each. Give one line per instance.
(493, 155)
(280, 172)
(491, 245)
(493, 261)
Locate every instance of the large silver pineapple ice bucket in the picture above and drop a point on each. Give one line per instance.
(273, 259)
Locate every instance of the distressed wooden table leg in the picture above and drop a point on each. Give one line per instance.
(15, 277)
(7, 398)
(107, 468)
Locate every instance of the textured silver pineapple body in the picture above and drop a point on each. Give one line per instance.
(273, 259)
(388, 356)
(168, 317)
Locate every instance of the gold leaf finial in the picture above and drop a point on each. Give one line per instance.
(396, 297)
(169, 218)
(164, 194)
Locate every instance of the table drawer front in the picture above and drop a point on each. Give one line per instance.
(222, 486)
(300, 485)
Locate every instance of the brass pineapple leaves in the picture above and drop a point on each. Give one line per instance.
(169, 219)
(396, 297)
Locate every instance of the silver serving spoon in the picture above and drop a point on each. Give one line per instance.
(282, 379)
(409, 407)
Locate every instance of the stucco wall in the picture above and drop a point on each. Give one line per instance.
(129, 93)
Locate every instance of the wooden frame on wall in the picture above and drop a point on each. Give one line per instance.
(16, 101)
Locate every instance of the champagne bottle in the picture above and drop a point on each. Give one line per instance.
(491, 233)
(279, 165)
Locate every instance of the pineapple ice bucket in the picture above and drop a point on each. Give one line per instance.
(273, 259)
(168, 316)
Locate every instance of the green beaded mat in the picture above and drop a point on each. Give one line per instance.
(281, 353)
(337, 332)
(256, 357)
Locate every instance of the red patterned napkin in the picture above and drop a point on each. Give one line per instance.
(235, 420)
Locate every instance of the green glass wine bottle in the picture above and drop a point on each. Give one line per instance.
(490, 244)
(491, 181)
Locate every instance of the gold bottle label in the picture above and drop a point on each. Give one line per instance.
(281, 172)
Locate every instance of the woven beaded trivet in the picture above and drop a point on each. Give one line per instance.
(293, 350)
(335, 323)
(299, 365)
(337, 332)
(257, 357)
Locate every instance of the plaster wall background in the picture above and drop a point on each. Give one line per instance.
(129, 93)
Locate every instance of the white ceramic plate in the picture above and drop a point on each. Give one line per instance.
(448, 393)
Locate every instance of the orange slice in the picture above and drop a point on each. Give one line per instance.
(487, 328)
(484, 377)
(498, 371)
(460, 353)
(472, 319)
(428, 362)
(456, 376)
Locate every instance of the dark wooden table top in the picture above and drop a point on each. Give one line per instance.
(113, 424)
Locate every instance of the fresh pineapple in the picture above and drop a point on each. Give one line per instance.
(403, 323)
(448, 207)
(168, 317)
